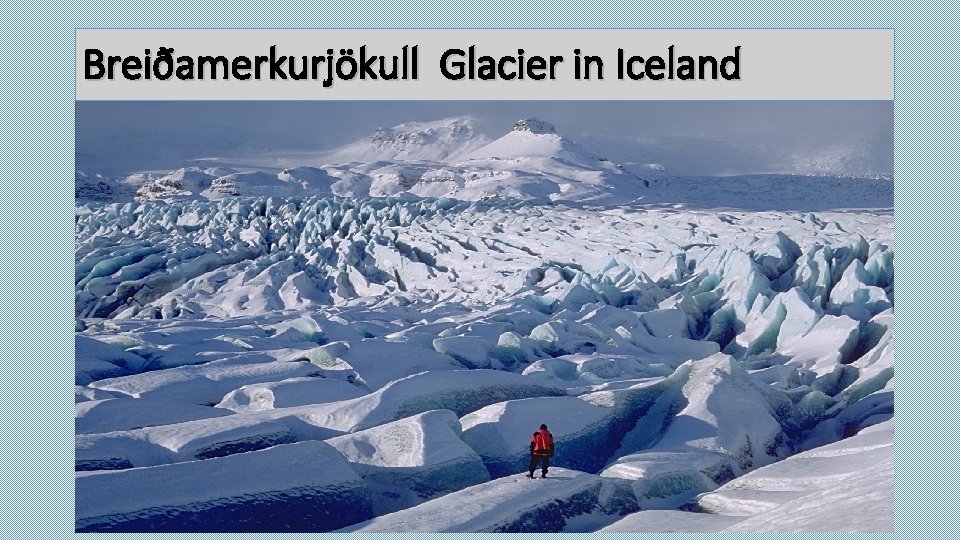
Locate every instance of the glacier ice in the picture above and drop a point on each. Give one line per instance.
(523, 505)
(695, 437)
(412, 460)
(846, 486)
(305, 487)
(671, 351)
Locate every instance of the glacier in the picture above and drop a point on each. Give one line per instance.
(366, 344)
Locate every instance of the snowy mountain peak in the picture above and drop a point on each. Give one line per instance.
(534, 125)
(417, 133)
(436, 141)
(533, 138)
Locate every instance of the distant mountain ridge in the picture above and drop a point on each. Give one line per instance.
(445, 158)
(441, 140)
(451, 158)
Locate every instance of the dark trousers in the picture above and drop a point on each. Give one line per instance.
(533, 463)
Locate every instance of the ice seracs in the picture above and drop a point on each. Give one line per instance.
(695, 438)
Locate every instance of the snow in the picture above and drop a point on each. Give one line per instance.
(288, 393)
(433, 141)
(670, 521)
(459, 391)
(409, 308)
(694, 437)
(97, 360)
(501, 433)
(513, 504)
(103, 415)
(296, 487)
(207, 383)
(451, 158)
(368, 358)
(411, 460)
(846, 486)
(212, 436)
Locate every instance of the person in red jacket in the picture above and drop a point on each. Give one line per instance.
(541, 448)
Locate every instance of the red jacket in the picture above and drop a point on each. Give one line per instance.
(542, 443)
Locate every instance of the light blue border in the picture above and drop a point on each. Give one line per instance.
(37, 43)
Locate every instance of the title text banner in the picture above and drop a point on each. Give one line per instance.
(485, 64)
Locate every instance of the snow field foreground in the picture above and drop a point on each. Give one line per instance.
(414, 346)
(842, 487)
(294, 487)
(505, 505)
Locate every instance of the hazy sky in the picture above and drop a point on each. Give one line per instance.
(711, 137)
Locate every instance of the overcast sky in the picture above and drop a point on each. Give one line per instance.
(701, 138)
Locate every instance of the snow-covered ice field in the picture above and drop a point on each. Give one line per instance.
(367, 343)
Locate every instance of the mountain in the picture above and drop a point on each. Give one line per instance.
(533, 138)
(441, 140)
(445, 158)
(534, 162)
(450, 158)
(95, 188)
